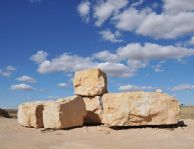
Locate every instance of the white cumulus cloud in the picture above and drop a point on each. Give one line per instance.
(151, 51)
(148, 23)
(136, 64)
(84, 10)
(104, 9)
(23, 87)
(124, 62)
(116, 69)
(39, 57)
(176, 6)
(106, 56)
(66, 63)
(166, 26)
(25, 78)
(129, 19)
(111, 36)
(174, 20)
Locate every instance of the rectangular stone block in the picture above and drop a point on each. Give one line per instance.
(30, 114)
(140, 108)
(90, 82)
(64, 113)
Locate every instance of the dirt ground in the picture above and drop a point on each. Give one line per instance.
(14, 136)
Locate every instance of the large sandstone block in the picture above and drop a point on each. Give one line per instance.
(139, 108)
(30, 114)
(94, 110)
(91, 82)
(64, 113)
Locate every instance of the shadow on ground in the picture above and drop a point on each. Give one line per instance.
(170, 127)
(179, 124)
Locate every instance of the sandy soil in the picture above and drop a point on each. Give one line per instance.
(13, 136)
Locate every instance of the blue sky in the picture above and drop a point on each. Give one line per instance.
(141, 45)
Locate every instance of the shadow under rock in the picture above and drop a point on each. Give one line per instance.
(45, 130)
(171, 127)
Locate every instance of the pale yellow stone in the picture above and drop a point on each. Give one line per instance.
(64, 113)
(91, 82)
(30, 114)
(140, 108)
(94, 110)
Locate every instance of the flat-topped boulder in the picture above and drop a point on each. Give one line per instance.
(64, 113)
(94, 110)
(139, 108)
(90, 82)
(30, 114)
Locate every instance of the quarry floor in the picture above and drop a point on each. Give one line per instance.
(14, 136)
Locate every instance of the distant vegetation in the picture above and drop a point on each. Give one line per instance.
(187, 112)
(4, 113)
(12, 112)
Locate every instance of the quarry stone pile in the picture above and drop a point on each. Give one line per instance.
(30, 114)
(64, 113)
(93, 105)
(91, 84)
(139, 108)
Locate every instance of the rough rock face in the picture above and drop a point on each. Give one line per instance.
(4, 113)
(30, 114)
(64, 113)
(94, 110)
(139, 108)
(91, 82)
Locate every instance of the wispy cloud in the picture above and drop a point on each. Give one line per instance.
(158, 67)
(126, 88)
(61, 85)
(34, 1)
(182, 87)
(7, 71)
